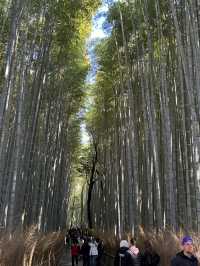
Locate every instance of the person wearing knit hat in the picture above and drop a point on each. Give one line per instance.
(123, 257)
(186, 239)
(186, 256)
(124, 243)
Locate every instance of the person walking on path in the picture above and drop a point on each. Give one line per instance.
(186, 256)
(85, 252)
(100, 249)
(134, 251)
(120, 257)
(93, 252)
(123, 256)
(75, 250)
(149, 257)
(67, 241)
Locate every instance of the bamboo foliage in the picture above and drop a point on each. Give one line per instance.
(42, 56)
(146, 114)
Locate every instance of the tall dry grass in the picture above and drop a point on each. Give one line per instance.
(31, 248)
(166, 243)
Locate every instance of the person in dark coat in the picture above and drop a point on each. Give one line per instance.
(123, 257)
(186, 256)
(100, 249)
(85, 251)
(149, 257)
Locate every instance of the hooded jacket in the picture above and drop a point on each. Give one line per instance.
(181, 260)
(121, 257)
(124, 258)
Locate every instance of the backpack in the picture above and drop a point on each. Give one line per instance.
(122, 259)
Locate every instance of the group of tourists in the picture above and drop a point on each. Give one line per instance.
(84, 247)
(91, 250)
(129, 255)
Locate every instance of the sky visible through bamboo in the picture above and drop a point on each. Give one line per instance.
(97, 34)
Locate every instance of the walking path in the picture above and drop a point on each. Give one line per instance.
(66, 259)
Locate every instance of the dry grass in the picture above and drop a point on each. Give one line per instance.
(31, 248)
(34, 249)
(166, 243)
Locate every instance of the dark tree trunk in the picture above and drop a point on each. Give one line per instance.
(90, 188)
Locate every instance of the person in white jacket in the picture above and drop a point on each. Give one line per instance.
(93, 252)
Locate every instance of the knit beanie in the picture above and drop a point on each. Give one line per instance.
(187, 239)
(124, 243)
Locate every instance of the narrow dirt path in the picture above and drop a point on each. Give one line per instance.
(66, 259)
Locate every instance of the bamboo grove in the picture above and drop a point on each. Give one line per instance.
(43, 67)
(145, 118)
